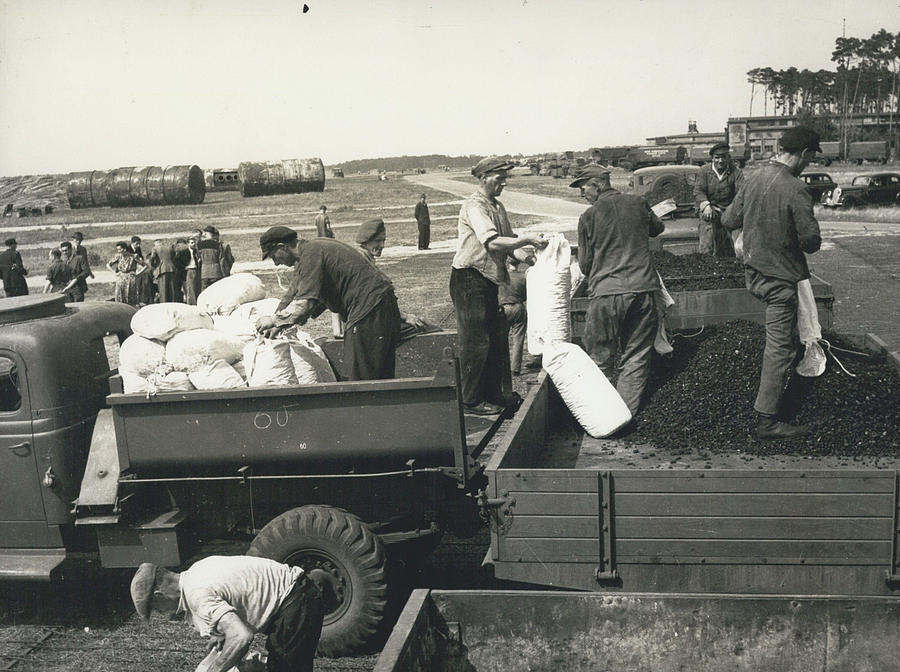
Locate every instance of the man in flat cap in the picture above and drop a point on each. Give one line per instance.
(80, 250)
(776, 214)
(231, 598)
(331, 274)
(211, 257)
(423, 221)
(323, 223)
(485, 241)
(717, 183)
(614, 255)
(12, 270)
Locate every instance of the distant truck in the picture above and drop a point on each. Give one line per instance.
(653, 155)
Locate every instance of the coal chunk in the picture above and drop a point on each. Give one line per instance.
(694, 272)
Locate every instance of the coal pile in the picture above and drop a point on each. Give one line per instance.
(694, 272)
(701, 399)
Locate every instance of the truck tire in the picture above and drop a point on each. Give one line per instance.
(340, 543)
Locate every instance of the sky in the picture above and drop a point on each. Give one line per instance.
(97, 84)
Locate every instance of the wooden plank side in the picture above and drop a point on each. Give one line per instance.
(547, 480)
(525, 432)
(754, 505)
(656, 551)
(554, 503)
(704, 527)
(750, 482)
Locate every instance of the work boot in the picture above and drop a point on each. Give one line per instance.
(768, 427)
(484, 408)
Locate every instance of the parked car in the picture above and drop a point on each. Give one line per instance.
(658, 183)
(817, 184)
(864, 190)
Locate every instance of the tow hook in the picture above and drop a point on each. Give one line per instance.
(49, 478)
(496, 511)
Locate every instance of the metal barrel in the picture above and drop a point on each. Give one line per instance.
(87, 189)
(152, 185)
(291, 176)
(119, 187)
(183, 185)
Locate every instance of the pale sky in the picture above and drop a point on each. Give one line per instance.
(97, 84)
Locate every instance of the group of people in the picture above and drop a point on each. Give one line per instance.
(170, 272)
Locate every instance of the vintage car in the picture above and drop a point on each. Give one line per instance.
(865, 190)
(658, 183)
(817, 184)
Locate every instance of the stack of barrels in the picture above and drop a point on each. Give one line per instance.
(291, 176)
(128, 187)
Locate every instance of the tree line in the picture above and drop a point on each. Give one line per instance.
(864, 80)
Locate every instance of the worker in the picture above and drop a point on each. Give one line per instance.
(485, 240)
(323, 224)
(229, 599)
(614, 255)
(776, 214)
(12, 270)
(81, 251)
(77, 272)
(164, 272)
(423, 221)
(210, 252)
(715, 188)
(331, 274)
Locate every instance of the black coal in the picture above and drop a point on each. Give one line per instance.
(692, 272)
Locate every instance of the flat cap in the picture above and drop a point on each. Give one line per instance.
(211, 229)
(78, 236)
(274, 235)
(798, 138)
(589, 172)
(719, 147)
(369, 230)
(10, 241)
(142, 589)
(491, 164)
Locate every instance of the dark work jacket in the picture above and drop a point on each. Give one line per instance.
(614, 244)
(210, 259)
(719, 193)
(776, 213)
(423, 217)
(13, 272)
(161, 260)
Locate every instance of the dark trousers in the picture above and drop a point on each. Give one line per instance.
(482, 338)
(206, 282)
(782, 340)
(517, 320)
(295, 629)
(75, 295)
(166, 288)
(370, 345)
(424, 235)
(715, 239)
(191, 286)
(625, 324)
(16, 290)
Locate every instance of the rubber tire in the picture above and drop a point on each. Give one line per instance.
(351, 545)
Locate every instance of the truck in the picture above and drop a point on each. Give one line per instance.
(332, 475)
(653, 155)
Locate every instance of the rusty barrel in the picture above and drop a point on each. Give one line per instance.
(87, 189)
(290, 176)
(153, 185)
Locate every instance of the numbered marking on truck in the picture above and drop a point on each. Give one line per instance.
(262, 420)
(281, 417)
(302, 446)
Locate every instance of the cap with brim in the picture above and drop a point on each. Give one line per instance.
(142, 586)
(369, 230)
(798, 138)
(588, 173)
(270, 239)
(491, 164)
(721, 147)
(78, 236)
(10, 241)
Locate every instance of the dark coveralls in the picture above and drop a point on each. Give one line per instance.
(13, 273)
(77, 269)
(335, 276)
(776, 213)
(614, 255)
(714, 239)
(423, 220)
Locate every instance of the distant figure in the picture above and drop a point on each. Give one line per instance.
(12, 270)
(715, 189)
(163, 264)
(189, 259)
(226, 257)
(143, 281)
(210, 252)
(81, 251)
(125, 265)
(77, 285)
(423, 219)
(512, 301)
(57, 273)
(323, 224)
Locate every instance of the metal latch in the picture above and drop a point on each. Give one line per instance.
(496, 511)
(606, 571)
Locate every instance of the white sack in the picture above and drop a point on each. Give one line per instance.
(216, 375)
(311, 365)
(268, 362)
(161, 321)
(173, 381)
(548, 287)
(140, 355)
(587, 393)
(191, 349)
(576, 276)
(242, 322)
(133, 382)
(663, 301)
(223, 296)
(813, 362)
(739, 245)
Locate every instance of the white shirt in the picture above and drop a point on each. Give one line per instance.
(253, 588)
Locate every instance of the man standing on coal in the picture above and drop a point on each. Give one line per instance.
(485, 240)
(331, 274)
(776, 214)
(614, 255)
(715, 189)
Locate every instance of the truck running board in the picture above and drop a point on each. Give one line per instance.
(30, 564)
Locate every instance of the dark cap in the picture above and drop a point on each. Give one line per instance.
(78, 236)
(798, 138)
(274, 236)
(142, 586)
(589, 172)
(491, 164)
(135, 239)
(10, 241)
(369, 230)
(721, 147)
(211, 229)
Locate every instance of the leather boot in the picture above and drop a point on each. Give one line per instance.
(768, 427)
